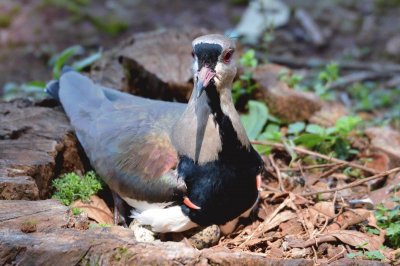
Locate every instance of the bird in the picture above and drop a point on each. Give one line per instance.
(178, 166)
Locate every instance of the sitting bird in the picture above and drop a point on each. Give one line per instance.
(178, 165)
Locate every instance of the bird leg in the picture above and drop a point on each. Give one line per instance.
(118, 210)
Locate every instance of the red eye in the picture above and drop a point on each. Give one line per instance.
(228, 56)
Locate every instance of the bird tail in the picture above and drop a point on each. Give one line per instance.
(53, 86)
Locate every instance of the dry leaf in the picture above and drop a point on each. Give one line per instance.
(275, 253)
(349, 218)
(291, 227)
(384, 194)
(380, 162)
(327, 208)
(306, 216)
(278, 219)
(96, 209)
(357, 239)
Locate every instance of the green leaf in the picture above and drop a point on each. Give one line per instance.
(248, 59)
(315, 129)
(271, 132)
(296, 128)
(330, 131)
(374, 255)
(354, 255)
(346, 124)
(255, 120)
(33, 89)
(71, 187)
(309, 140)
(263, 149)
(62, 59)
(373, 231)
(82, 64)
(341, 148)
(329, 74)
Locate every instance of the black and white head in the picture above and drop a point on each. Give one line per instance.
(214, 62)
(210, 122)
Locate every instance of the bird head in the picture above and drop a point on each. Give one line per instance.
(214, 62)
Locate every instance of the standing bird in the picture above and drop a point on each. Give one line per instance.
(179, 166)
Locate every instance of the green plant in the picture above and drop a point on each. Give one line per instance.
(369, 255)
(71, 187)
(76, 211)
(292, 80)
(368, 96)
(320, 86)
(110, 24)
(245, 85)
(389, 219)
(59, 60)
(327, 140)
(325, 78)
(261, 125)
(255, 119)
(101, 225)
(248, 59)
(35, 89)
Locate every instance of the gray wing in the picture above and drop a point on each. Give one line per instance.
(126, 138)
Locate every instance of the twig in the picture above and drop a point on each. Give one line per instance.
(310, 27)
(278, 173)
(308, 167)
(330, 171)
(259, 229)
(355, 183)
(296, 62)
(337, 256)
(316, 154)
(315, 259)
(313, 241)
(358, 77)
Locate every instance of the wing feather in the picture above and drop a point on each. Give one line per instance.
(126, 138)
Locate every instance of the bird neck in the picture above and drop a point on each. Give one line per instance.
(210, 127)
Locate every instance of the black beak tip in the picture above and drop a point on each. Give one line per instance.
(199, 89)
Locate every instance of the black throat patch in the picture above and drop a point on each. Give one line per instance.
(208, 53)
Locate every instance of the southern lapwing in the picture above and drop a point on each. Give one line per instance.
(178, 165)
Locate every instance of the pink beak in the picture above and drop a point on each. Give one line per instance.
(203, 79)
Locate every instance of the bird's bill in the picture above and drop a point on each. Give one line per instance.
(204, 77)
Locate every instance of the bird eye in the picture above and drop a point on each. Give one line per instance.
(192, 53)
(228, 56)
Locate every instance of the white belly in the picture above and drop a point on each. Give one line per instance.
(161, 218)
